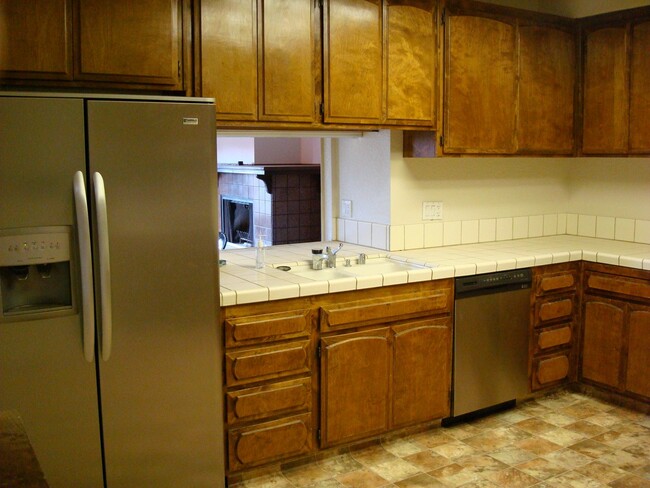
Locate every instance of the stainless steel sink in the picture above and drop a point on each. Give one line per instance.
(373, 267)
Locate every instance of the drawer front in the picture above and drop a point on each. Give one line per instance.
(548, 338)
(268, 327)
(620, 285)
(263, 363)
(556, 282)
(270, 441)
(267, 401)
(552, 310)
(548, 371)
(382, 310)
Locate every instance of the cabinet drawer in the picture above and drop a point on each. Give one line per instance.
(621, 285)
(549, 338)
(266, 401)
(551, 370)
(263, 363)
(270, 441)
(267, 327)
(386, 309)
(556, 282)
(552, 310)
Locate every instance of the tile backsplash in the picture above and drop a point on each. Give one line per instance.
(442, 233)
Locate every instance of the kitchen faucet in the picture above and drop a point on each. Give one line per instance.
(330, 255)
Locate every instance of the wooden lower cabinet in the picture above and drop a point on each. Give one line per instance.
(421, 371)
(616, 330)
(270, 441)
(355, 385)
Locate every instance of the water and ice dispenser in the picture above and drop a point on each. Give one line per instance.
(35, 276)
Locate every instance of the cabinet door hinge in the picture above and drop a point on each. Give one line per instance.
(179, 69)
(318, 351)
(442, 141)
(318, 435)
(318, 3)
(443, 15)
(322, 108)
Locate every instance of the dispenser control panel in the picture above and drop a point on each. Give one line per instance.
(36, 248)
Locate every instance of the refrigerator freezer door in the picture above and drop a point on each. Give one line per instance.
(43, 373)
(160, 388)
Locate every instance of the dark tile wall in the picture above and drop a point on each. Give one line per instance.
(290, 213)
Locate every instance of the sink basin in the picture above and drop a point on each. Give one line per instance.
(373, 266)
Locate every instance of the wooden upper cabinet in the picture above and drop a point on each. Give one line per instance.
(410, 47)
(130, 42)
(639, 92)
(259, 59)
(606, 92)
(289, 61)
(547, 77)
(229, 57)
(353, 57)
(36, 39)
(480, 85)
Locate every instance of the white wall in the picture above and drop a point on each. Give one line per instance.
(613, 187)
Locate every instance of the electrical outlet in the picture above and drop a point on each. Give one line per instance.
(346, 209)
(431, 210)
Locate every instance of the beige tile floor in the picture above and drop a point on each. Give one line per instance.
(564, 439)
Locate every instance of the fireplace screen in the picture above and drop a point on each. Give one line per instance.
(237, 220)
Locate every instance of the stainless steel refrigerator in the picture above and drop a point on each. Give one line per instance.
(109, 345)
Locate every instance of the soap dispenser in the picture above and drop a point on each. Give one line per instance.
(259, 255)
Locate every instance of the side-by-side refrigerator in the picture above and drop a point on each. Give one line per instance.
(109, 346)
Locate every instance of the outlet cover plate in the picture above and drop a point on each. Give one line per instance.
(346, 209)
(431, 210)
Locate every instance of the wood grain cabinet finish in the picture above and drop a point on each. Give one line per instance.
(255, 329)
(547, 81)
(355, 385)
(509, 82)
(261, 59)
(616, 330)
(554, 318)
(352, 61)
(36, 40)
(480, 85)
(268, 400)
(410, 40)
(421, 371)
(269, 441)
(616, 75)
(94, 43)
(271, 362)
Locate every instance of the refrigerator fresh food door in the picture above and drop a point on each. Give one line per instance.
(161, 381)
(43, 373)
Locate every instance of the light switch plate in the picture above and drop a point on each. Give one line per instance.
(431, 210)
(346, 209)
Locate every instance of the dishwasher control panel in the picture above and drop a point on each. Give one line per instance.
(519, 278)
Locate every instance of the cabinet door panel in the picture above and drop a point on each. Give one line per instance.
(639, 93)
(353, 61)
(421, 371)
(480, 86)
(288, 61)
(229, 57)
(602, 341)
(355, 379)
(606, 92)
(410, 37)
(130, 41)
(266, 442)
(36, 39)
(546, 90)
(638, 359)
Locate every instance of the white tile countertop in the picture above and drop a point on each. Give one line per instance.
(242, 283)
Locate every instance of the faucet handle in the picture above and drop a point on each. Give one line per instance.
(362, 258)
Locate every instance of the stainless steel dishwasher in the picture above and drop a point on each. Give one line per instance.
(492, 313)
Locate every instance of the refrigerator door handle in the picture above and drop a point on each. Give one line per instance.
(104, 266)
(85, 266)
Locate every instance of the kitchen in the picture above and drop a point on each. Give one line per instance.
(582, 196)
